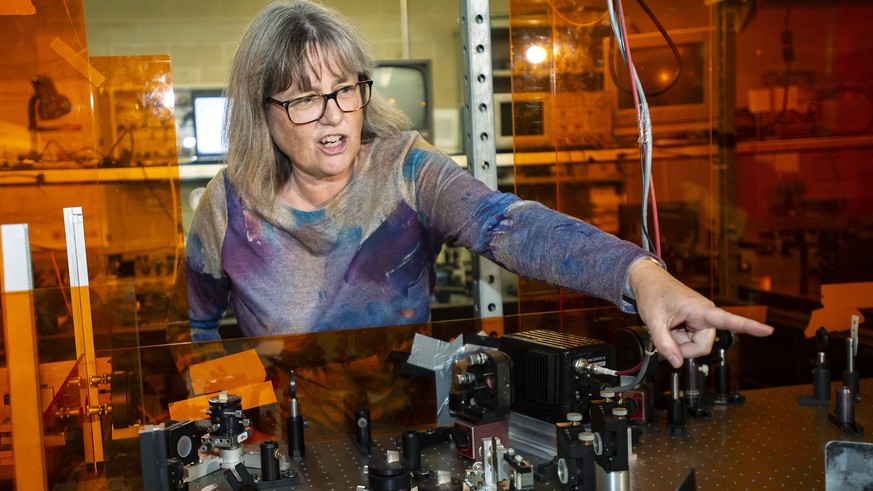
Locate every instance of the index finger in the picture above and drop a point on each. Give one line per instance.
(720, 319)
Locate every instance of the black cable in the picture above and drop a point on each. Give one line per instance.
(107, 158)
(673, 48)
(45, 149)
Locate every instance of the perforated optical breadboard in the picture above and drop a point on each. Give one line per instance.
(770, 442)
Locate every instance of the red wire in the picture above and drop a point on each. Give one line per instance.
(631, 370)
(633, 84)
(61, 284)
(630, 61)
(655, 218)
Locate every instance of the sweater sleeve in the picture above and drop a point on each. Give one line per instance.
(208, 285)
(525, 237)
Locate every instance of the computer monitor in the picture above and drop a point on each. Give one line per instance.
(681, 108)
(209, 109)
(407, 84)
(523, 121)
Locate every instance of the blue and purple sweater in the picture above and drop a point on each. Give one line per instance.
(367, 258)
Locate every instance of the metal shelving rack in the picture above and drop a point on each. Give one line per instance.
(475, 20)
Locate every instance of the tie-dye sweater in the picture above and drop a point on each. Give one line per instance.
(367, 258)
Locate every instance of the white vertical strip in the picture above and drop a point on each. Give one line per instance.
(77, 260)
(17, 268)
(404, 29)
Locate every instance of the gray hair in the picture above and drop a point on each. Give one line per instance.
(280, 49)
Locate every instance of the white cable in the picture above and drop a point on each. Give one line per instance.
(643, 119)
(584, 366)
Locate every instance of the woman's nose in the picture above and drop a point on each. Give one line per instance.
(332, 112)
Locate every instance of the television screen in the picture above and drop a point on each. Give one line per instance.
(523, 120)
(529, 118)
(406, 85)
(677, 91)
(209, 112)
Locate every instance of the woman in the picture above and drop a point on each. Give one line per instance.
(329, 215)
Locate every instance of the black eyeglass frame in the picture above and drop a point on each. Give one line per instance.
(326, 98)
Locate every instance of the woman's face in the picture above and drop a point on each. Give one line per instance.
(325, 149)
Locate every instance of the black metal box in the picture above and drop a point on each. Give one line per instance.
(545, 382)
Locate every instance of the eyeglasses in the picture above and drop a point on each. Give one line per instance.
(349, 98)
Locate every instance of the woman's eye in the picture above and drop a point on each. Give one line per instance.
(304, 101)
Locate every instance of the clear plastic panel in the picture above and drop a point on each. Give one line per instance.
(576, 140)
(336, 373)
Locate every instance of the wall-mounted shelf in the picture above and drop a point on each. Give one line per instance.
(805, 144)
(61, 173)
(65, 172)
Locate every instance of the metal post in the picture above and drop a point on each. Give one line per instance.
(724, 71)
(19, 331)
(479, 135)
(77, 262)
